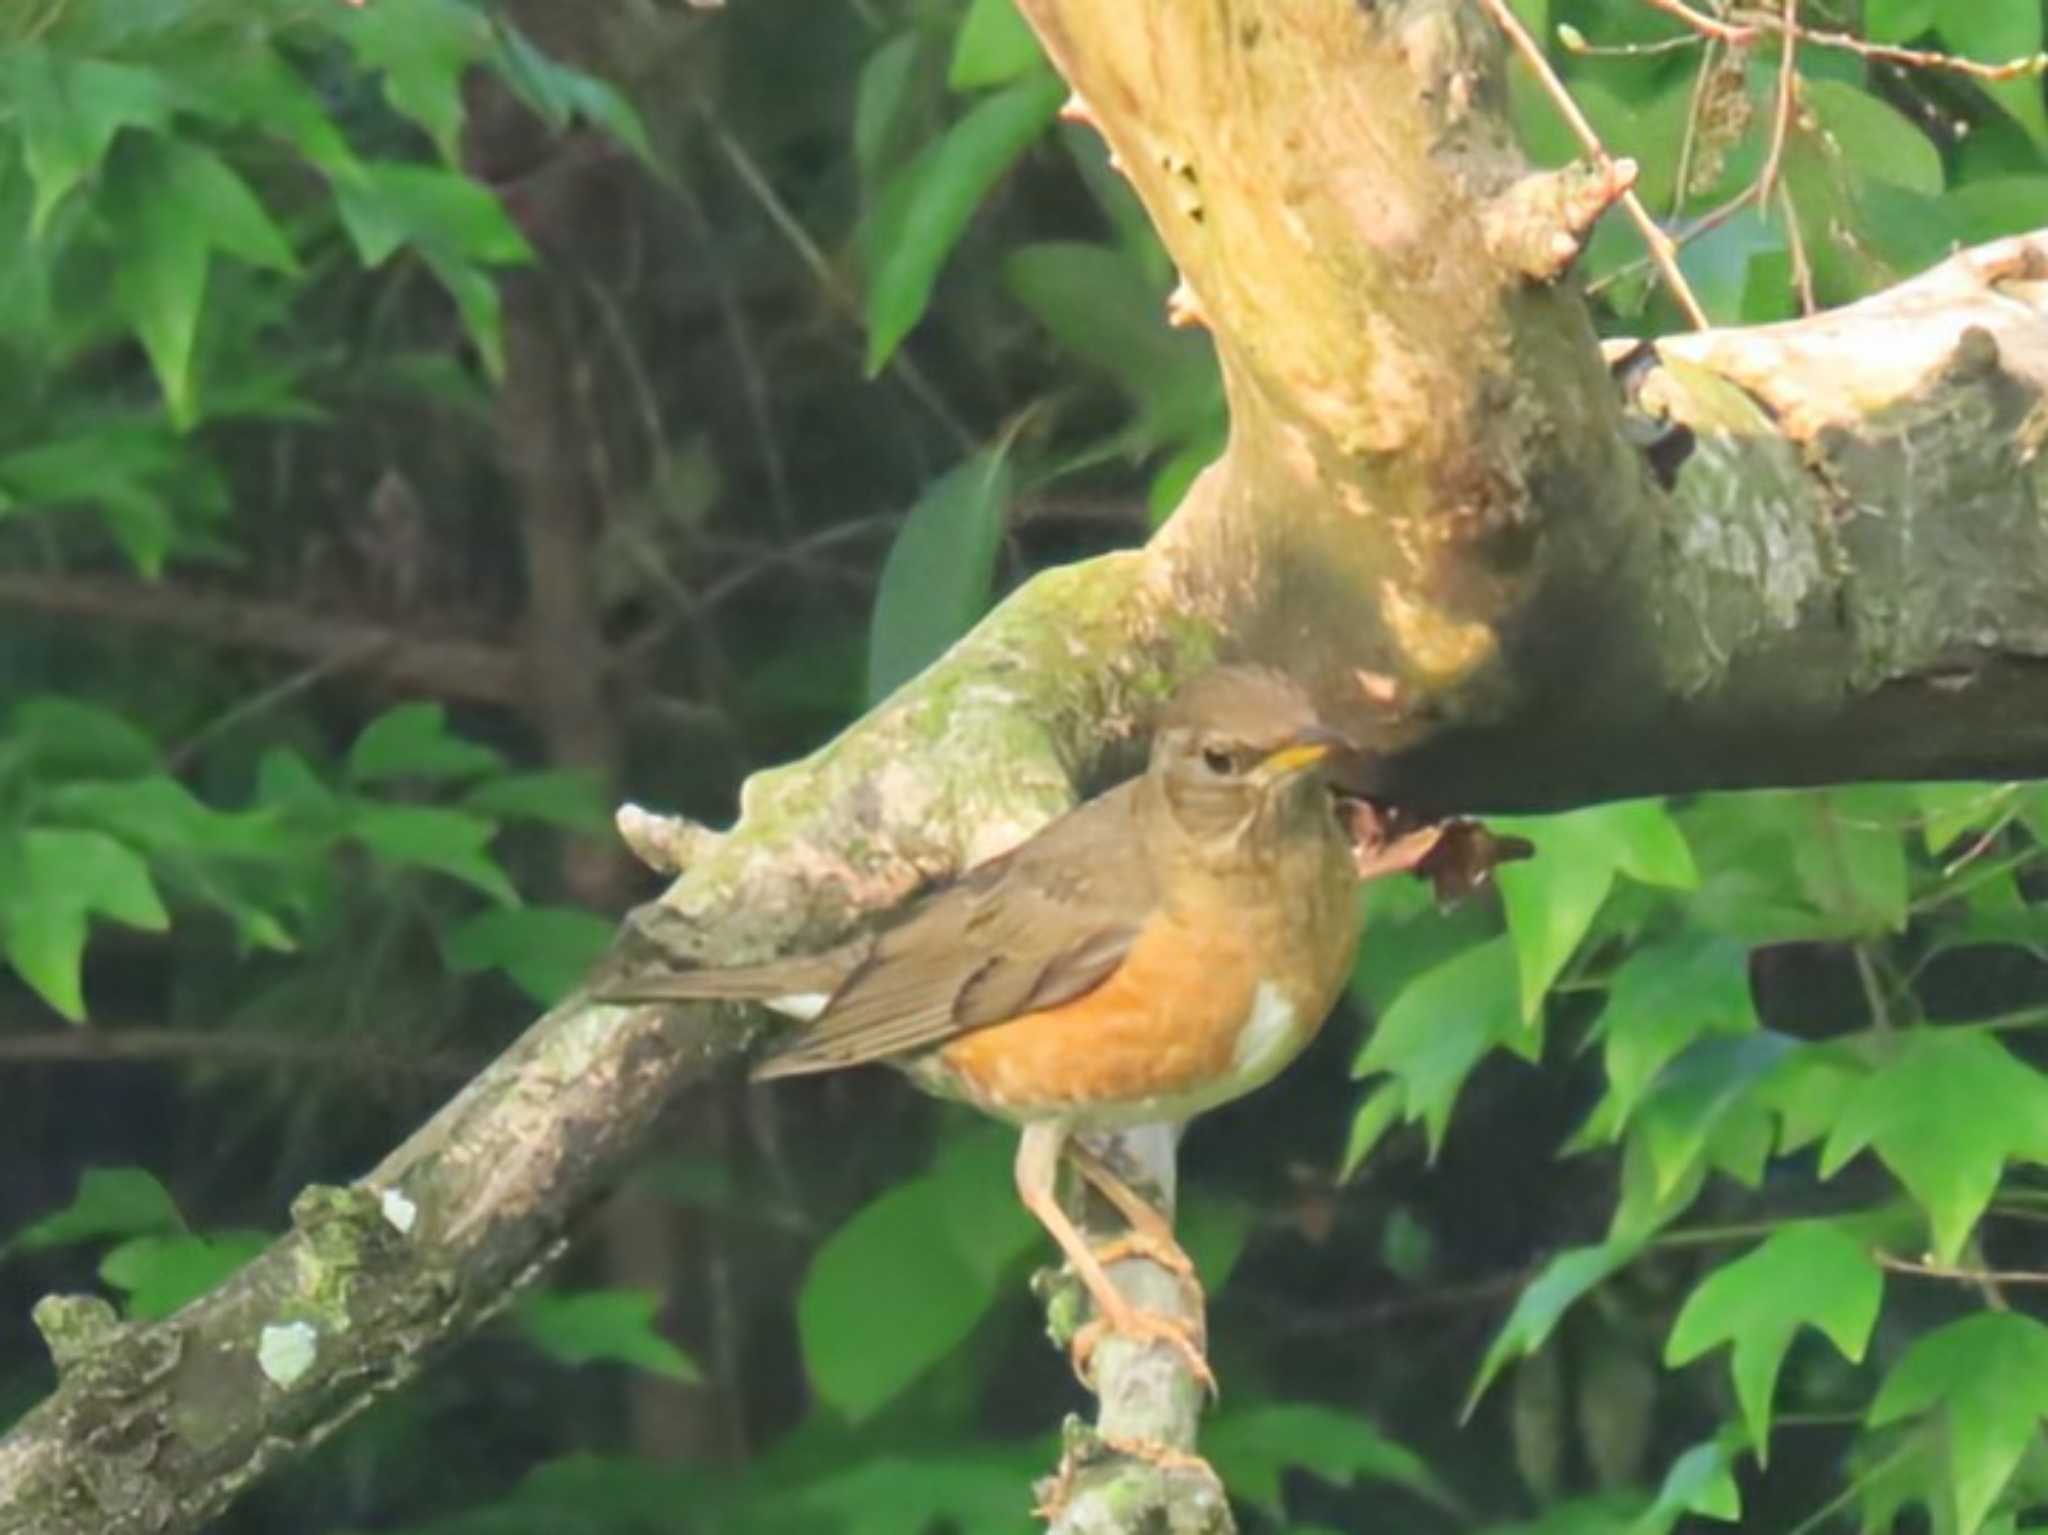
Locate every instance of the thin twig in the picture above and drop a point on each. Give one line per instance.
(1662, 251)
(1974, 1276)
(1745, 27)
(344, 659)
(746, 356)
(828, 279)
(1795, 245)
(1736, 36)
(1575, 42)
(1781, 117)
(1701, 80)
(1915, 58)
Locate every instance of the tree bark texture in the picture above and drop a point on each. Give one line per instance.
(1429, 508)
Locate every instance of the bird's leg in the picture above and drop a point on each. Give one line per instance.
(1038, 1161)
(1151, 1234)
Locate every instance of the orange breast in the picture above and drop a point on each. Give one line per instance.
(1188, 1020)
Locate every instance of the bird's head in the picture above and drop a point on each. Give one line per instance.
(1242, 754)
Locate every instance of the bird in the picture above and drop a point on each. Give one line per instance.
(1161, 949)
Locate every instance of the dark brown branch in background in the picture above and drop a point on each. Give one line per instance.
(465, 670)
(225, 1048)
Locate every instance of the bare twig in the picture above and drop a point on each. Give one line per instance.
(830, 283)
(1746, 26)
(275, 696)
(1795, 245)
(1662, 251)
(1736, 36)
(1781, 116)
(1923, 1269)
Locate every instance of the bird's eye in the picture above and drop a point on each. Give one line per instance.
(1217, 761)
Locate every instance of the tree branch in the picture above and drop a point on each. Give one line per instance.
(461, 669)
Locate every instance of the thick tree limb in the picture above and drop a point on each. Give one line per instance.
(1429, 507)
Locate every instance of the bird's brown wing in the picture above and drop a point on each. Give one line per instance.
(1043, 924)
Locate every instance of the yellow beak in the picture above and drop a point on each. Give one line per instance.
(1304, 751)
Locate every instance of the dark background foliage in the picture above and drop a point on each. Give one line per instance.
(423, 425)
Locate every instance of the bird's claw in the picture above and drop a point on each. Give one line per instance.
(1164, 1251)
(1181, 1336)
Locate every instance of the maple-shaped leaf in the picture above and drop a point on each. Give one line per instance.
(1944, 1114)
(1565, 1280)
(1809, 1273)
(1433, 1034)
(1552, 899)
(1989, 1374)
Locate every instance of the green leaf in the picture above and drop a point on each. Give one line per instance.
(1988, 1374)
(443, 840)
(69, 111)
(614, 1326)
(1697, 1096)
(567, 798)
(1440, 1025)
(444, 215)
(903, 1282)
(1944, 1114)
(1948, 811)
(926, 206)
(1566, 1279)
(413, 741)
(1879, 141)
(159, 1273)
(994, 44)
(1251, 1448)
(481, 306)
(1100, 305)
(936, 581)
(110, 1202)
(161, 277)
(67, 736)
(1810, 1273)
(60, 879)
(1553, 897)
(251, 84)
(1996, 32)
(1853, 865)
(561, 94)
(1807, 1090)
(879, 100)
(169, 203)
(1701, 1481)
(1668, 993)
(424, 48)
(1897, 21)
(1376, 1114)
(545, 949)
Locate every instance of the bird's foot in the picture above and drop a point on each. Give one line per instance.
(1126, 1321)
(1162, 1250)
(1156, 1452)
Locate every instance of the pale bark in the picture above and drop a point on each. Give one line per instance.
(1428, 507)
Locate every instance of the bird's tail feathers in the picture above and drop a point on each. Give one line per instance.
(793, 979)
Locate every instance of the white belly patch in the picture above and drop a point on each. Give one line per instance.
(803, 1006)
(1270, 1036)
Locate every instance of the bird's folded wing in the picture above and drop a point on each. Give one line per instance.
(1043, 924)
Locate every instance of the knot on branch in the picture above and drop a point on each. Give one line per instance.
(1538, 225)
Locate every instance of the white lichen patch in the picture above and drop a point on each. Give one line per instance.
(399, 1212)
(286, 1351)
